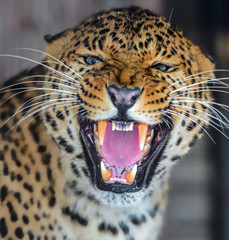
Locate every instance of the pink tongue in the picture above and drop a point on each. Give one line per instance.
(121, 148)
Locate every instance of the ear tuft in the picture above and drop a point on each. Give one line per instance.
(212, 60)
(50, 39)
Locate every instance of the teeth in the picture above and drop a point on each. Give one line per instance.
(142, 129)
(130, 176)
(113, 126)
(102, 125)
(131, 127)
(146, 148)
(95, 130)
(97, 143)
(106, 174)
(118, 180)
(150, 137)
(127, 127)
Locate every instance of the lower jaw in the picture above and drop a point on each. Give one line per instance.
(145, 171)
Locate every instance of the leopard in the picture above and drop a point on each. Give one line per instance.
(89, 135)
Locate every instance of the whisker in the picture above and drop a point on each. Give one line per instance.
(34, 106)
(207, 121)
(34, 61)
(43, 96)
(83, 117)
(209, 71)
(210, 107)
(33, 113)
(59, 105)
(197, 100)
(36, 89)
(198, 83)
(40, 109)
(216, 117)
(31, 99)
(198, 91)
(167, 122)
(74, 80)
(49, 55)
(182, 115)
(11, 87)
(168, 116)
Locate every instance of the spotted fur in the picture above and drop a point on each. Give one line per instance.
(46, 189)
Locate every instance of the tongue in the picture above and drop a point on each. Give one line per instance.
(121, 148)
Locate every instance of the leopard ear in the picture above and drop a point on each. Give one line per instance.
(56, 44)
(51, 38)
(48, 38)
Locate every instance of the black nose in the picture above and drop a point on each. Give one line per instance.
(123, 98)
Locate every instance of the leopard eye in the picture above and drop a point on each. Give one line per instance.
(91, 60)
(161, 67)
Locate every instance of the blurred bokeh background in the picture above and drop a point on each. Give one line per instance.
(198, 207)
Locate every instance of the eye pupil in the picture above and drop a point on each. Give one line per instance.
(91, 60)
(161, 67)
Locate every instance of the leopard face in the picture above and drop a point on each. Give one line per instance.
(120, 102)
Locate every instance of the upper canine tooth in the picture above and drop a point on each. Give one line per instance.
(131, 127)
(106, 174)
(102, 125)
(142, 129)
(130, 176)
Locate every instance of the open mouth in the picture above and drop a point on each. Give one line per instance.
(122, 156)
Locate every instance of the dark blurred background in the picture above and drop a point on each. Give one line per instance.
(198, 207)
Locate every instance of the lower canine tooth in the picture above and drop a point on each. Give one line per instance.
(150, 137)
(130, 176)
(106, 174)
(146, 148)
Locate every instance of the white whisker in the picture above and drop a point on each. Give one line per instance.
(59, 105)
(198, 83)
(35, 105)
(182, 115)
(49, 55)
(37, 89)
(198, 91)
(9, 88)
(34, 61)
(40, 109)
(210, 107)
(216, 116)
(207, 122)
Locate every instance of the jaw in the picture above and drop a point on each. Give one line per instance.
(122, 156)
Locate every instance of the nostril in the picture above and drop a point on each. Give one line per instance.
(123, 98)
(112, 96)
(134, 98)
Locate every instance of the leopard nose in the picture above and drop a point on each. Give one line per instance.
(123, 98)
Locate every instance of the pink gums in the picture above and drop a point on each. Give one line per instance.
(121, 149)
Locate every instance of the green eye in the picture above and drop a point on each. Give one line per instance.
(161, 67)
(91, 60)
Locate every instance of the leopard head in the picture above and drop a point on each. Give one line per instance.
(124, 102)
